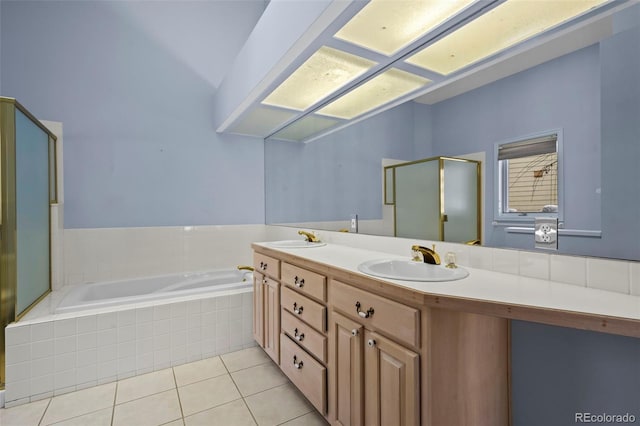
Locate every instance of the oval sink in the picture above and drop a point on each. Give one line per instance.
(409, 270)
(295, 244)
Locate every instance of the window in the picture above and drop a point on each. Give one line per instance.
(529, 177)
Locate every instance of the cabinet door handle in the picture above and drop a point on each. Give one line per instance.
(354, 332)
(299, 282)
(371, 343)
(297, 310)
(297, 364)
(363, 314)
(264, 281)
(298, 337)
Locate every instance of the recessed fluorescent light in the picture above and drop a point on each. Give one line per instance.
(387, 26)
(508, 24)
(261, 120)
(326, 71)
(307, 126)
(385, 87)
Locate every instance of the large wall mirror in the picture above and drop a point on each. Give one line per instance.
(592, 95)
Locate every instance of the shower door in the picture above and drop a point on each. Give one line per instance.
(28, 186)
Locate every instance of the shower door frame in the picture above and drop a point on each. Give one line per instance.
(8, 217)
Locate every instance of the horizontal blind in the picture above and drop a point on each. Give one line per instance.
(535, 146)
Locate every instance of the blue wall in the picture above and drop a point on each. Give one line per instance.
(133, 83)
(557, 372)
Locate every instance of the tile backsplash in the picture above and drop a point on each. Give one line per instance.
(116, 253)
(605, 274)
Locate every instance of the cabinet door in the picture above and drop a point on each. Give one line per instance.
(347, 370)
(271, 345)
(258, 308)
(391, 383)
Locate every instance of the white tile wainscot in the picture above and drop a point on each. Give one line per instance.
(57, 354)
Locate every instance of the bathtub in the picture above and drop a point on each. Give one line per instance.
(143, 325)
(122, 292)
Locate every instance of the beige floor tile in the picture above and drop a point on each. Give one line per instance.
(24, 415)
(199, 370)
(234, 413)
(75, 404)
(151, 410)
(145, 385)
(178, 422)
(245, 358)
(97, 418)
(311, 419)
(259, 378)
(277, 405)
(207, 394)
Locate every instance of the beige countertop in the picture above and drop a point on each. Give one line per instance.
(496, 288)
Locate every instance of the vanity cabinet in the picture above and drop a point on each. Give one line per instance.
(367, 352)
(377, 379)
(303, 342)
(266, 304)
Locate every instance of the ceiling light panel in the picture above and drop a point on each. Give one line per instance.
(261, 120)
(306, 127)
(385, 87)
(326, 71)
(386, 26)
(504, 26)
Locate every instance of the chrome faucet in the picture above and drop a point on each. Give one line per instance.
(428, 255)
(309, 236)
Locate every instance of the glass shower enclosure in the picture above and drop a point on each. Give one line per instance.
(435, 199)
(28, 187)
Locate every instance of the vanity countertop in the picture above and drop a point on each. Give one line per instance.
(495, 293)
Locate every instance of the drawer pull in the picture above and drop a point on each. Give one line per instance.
(298, 337)
(263, 266)
(354, 332)
(371, 343)
(363, 314)
(297, 310)
(296, 364)
(299, 282)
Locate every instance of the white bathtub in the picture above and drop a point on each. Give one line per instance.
(122, 292)
(147, 324)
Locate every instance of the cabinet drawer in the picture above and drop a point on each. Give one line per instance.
(306, 282)
(399, 321)
(266, 265)
(304, 335)
(304, 308)
(305, 372)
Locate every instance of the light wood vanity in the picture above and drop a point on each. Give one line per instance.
(373, 351)
(365, 351)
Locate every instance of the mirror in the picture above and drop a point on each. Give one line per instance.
(591, 94)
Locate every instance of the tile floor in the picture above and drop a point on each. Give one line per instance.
(239, 388)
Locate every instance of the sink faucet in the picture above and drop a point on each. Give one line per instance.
(428, 255)
(310, 237)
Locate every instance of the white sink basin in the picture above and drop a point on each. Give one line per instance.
(295, 244)
(409, 270)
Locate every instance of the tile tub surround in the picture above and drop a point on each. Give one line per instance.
(243, 388)
(612, 275)
(105, 254)
(57, 354)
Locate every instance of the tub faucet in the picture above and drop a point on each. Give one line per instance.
(309, 236)
(245, 268)
(428, 255)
